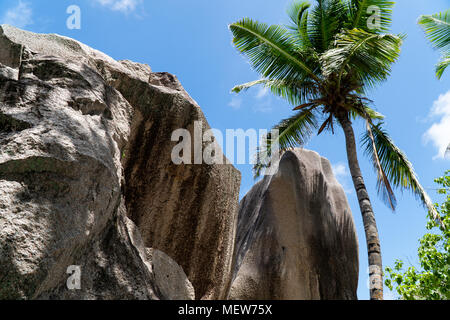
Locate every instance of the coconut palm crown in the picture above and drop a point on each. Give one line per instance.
(437, 29)
(323, 63)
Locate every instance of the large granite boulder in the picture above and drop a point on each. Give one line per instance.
(84, 142)
(296, 238)
(186, 211)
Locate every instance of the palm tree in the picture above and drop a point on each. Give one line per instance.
(324, 62)
(437, 30)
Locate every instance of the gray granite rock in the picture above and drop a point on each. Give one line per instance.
(296, 238)
(84, 142)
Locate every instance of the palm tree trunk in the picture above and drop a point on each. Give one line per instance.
(370, 225)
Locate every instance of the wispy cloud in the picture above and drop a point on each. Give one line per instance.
(235, 103)
(340, 170)
(264, 103)
(125, 6)
(262, 92)
(261, 101)
(343, 176)
(19, 16)
(439, 132)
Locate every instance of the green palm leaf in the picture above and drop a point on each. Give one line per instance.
(298, 12)
(369, 57)
(293, 132)
(437, 29)
(296, 130)
(272, 51)
(442, 65)
(365, 112)
(295, 92)
(360, 13)
(327, 18)
(383, 184)
(396, 166)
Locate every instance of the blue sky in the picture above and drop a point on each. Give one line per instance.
(191, 40)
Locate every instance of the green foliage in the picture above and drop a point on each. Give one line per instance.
(368, 56)
(360, 12)
(432, 280)
(297, 128)
(396, 165)
(437, 29)
(322, 63)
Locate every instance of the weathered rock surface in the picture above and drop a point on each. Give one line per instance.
(84, 141)
(296, 237)
(170, 278)
(117, 266)
(186, 211)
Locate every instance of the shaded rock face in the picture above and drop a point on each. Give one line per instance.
(84, 142)
(116, 266)
(186, 211)
(170, 278)
(296, 237)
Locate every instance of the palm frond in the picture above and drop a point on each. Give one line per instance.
(295, 92)
(248, 85)
(298, 13)
(272, 51)
(437, 30)
(383, 184)
(305, 105)
(397, 167)
(292, 132)
(363, 11)
(296, 10)
(303, 30)
(442, 65)
(326, 124)
(369, 57)
(326, 20)
(296, 130)
(365, 112)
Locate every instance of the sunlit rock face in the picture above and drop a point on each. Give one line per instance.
(296, 238)
(85, 147)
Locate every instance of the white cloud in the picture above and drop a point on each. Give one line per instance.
(260, 104)
(343, 176)
(120, 5)
(340, 170)
(262, 92)
(439, 132)
(19, 16)
(266, 105)
(235, 103)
